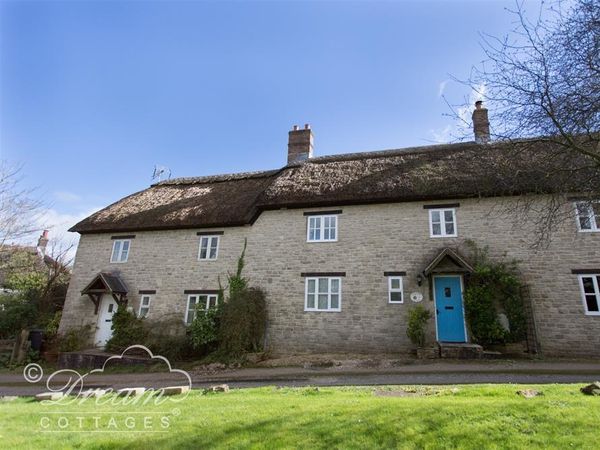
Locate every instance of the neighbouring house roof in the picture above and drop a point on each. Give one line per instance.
(463, 170)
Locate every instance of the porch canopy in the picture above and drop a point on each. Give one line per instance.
(106, 283)
(448, 261)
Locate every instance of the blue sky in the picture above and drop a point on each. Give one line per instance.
(94, 94)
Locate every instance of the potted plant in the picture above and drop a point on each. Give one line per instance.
(417, 320)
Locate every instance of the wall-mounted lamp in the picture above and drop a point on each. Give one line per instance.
(419, 280)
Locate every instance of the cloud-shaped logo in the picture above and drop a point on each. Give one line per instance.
(70, 383)
(152, 356)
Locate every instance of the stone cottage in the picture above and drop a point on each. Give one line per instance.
(345, 245)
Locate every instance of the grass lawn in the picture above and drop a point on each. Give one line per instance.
(484, 416)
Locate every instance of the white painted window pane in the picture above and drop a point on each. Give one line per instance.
(592, 303)
(145, 300)
(395, 283)
(396, 296)
(326, 234)
(585, 220)
(449, 228)
(213, 247)
(310, 301)
(116, 251)
(596, 212)
(448, 216)
(212, 301)
(335, 301)
(323, 285)
(436, 229)
(435, 216)
(312, 286)
(335, 285)
(144, 312)
(203, 247)
(588, 285)
(322, 301)
(124, 251)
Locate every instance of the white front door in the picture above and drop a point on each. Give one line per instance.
(108, 307)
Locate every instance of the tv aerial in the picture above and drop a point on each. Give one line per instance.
(159, 172)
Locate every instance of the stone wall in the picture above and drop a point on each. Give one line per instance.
(372, 239)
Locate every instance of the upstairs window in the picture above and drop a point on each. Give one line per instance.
(323, 294)
(588, 216)
(209, 248)
(199, 301)
(442, 222)
(322, 228)
(144, 305)
(590, 291)
(395, 294)
(120, 250)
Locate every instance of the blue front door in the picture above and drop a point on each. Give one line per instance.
(449, 309)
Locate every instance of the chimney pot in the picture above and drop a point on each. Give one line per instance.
(43, 242)
(300, 144)
(481, 124)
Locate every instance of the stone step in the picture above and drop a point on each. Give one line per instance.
(452, 350)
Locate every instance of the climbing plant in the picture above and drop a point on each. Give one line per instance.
(494, 286)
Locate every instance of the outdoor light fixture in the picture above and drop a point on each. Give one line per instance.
(419, 280)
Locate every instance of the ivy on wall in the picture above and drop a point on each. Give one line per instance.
(494, 287)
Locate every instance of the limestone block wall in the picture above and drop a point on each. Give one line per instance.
(372, 239)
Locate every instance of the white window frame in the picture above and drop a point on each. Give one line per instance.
(197, 297)
(391, 289)
(209, 238)
(442, 212)
(594, 277)
(322, 227)
(595, 226)
(329, 293)
(118, 260)
(142, 306)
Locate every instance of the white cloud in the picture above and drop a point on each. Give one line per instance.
(462, 126)
(442, 87)
(443, 135)
(67, 197)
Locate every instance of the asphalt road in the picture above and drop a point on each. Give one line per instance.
(433, 373)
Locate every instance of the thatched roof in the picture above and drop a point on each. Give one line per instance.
(424, 173)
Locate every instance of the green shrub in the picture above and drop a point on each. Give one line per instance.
(17, 313)
(127, 330)
(243, 322)
(51, 329)
(203, 332)
(74, 339)
(417, 320)
(494, 286)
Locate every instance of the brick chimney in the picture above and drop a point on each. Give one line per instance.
(300, 144)
(481, 124)
(43, 242)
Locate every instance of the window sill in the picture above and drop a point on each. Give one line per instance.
(587, 313)
(589, 231)
(323, 310)
(322, 242)
(445, 236)
(207, 260)
(396, 303)
(118, 262)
